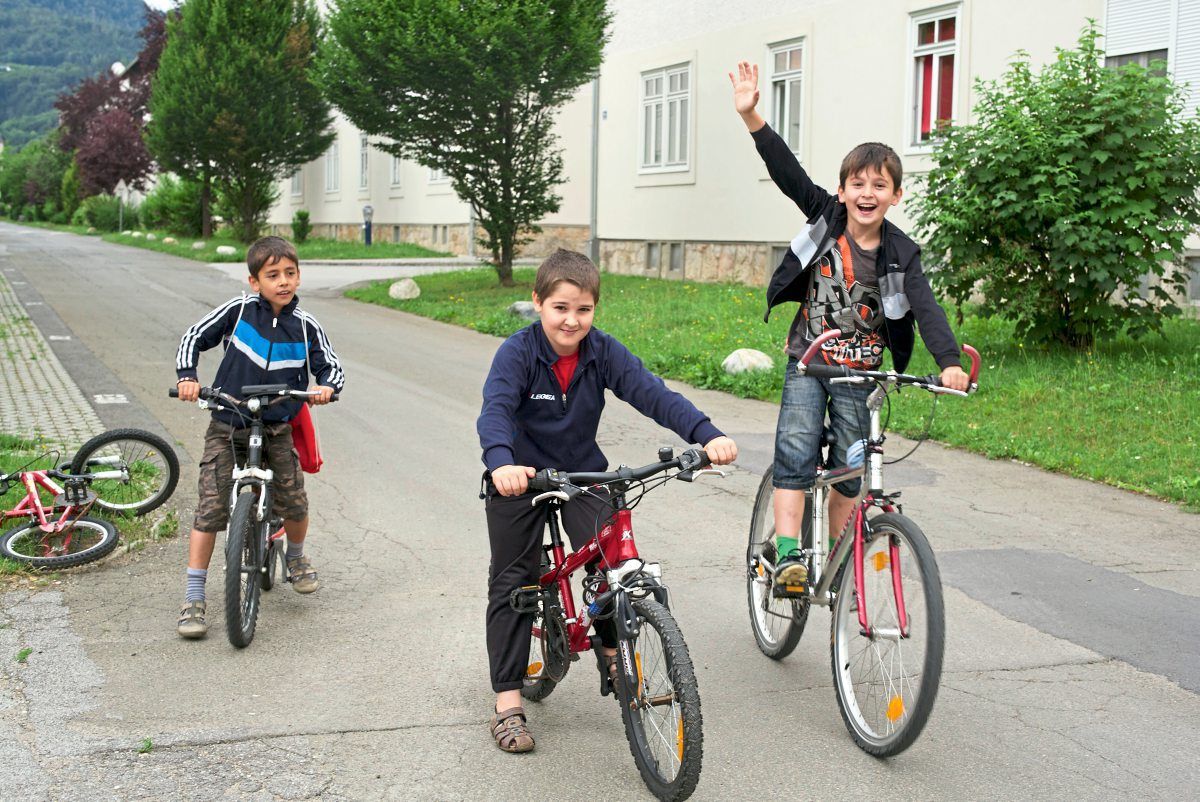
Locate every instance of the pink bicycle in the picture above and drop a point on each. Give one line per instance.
(879, 577)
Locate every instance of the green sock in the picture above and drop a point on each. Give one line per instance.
(785, 546)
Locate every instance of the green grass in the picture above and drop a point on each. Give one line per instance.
(1124, 413)
(314, 248)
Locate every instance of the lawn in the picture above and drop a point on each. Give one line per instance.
(314, 248)
(1124, 413)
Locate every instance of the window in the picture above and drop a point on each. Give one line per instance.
(395, 233)
(664, 259)
(298, 182)
(786, 61)
(438, 176)
(1193, 287)
(1141, 59)
(364, 150)
(332, 178)
(666, 97)
(935, 47)
(395, 171)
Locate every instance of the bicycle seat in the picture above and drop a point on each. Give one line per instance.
(251, 390)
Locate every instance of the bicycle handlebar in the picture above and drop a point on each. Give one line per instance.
(551, 479)
(279, 391)
(823, 371)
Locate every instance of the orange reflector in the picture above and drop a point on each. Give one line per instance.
(637, 658)
(679, 741)
(533, 670)
(761, 572)
(880, 559)
(895, 708)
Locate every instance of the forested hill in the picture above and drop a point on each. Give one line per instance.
(48, 46)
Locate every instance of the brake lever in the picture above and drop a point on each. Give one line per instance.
(696, 473)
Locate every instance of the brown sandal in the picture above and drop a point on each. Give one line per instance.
(511, 731)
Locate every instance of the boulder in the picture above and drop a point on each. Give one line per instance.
(91, 230)
(137, 234)
(404, 290)
(127, 232)
(170, 241)
(198, 245)
(745, 359)
(226, 250)
(524, 309)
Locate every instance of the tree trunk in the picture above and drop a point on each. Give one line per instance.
(205, 206)
(504, 263)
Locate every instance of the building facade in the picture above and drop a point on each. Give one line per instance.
(680, 191)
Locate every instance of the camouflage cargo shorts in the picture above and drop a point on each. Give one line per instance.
(289, 500)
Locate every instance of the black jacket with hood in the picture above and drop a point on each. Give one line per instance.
(903, 287)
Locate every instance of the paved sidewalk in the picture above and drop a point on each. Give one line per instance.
(38, 399)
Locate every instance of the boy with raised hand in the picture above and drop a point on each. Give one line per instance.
(541, 409)
(852, 270)
(268, 339)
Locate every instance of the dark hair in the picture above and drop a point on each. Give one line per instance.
(868, 155)
(268, 251)
(569, 266)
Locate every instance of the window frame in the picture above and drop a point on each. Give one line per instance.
(437, 176)
(936, 51)
(396, 172)
(786, 78)
(297, 187)
(364, 163)
(333, 172)
(664, 98)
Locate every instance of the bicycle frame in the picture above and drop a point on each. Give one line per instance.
(614, 545)
(32, 507)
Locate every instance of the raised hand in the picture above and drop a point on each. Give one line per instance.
(745, 87)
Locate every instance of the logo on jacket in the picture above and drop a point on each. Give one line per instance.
(542, 397)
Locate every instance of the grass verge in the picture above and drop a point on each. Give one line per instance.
(314, 248)
(1123, 413)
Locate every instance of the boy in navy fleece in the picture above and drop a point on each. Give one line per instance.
(541, 409)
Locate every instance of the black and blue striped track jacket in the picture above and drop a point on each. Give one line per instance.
(261, 348)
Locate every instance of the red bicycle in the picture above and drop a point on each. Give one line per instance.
(126, 471)
(655, 682)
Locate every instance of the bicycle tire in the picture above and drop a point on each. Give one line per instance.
(148, 462)
(777, 624)
(271, 567)
(866, 671)
(645, 680)
(31, 532)
(243, 561)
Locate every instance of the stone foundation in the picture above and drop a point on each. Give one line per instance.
(452, 238)
(733, 262)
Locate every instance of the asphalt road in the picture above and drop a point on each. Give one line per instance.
(1071, 665)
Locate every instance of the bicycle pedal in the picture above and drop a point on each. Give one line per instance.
(788, 591)
(526, 599)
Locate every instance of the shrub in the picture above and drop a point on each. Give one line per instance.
(103, 212)
(174, 205)
(301, 227)
(79, 218)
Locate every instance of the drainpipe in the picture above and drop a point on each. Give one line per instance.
(471, 231)
(593, 242)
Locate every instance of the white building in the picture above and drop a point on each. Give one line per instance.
(680, 190)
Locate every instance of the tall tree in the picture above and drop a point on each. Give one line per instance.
(469, 87)
(1069, 187)
(233, 103)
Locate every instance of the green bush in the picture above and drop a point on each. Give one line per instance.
(29, 212)
(71, 191)
(79, 217)
(301, 227)
(174, 205)
(103, 212)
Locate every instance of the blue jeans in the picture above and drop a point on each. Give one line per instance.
(806, 400)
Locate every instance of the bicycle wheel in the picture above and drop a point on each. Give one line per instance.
(886, 684)
(271, 567)
(660, 703)
(243, 564)
(133, 471)
(90, 539)
(549, 653)
(777, 623)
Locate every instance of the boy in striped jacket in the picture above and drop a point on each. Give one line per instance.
(267, 339)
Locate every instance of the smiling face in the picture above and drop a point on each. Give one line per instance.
(277, 282)
(868, 194)
(566, 316)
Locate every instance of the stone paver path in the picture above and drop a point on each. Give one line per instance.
(38, 400)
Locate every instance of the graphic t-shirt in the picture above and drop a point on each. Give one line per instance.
(843, 293)
(564, 369)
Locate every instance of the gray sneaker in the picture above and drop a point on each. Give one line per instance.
(191, 621)
(301, 575)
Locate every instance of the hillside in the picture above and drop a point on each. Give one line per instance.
(48, 46)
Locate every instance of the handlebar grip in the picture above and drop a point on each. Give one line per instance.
(173, 392)
(822, 371)
(541, 481)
